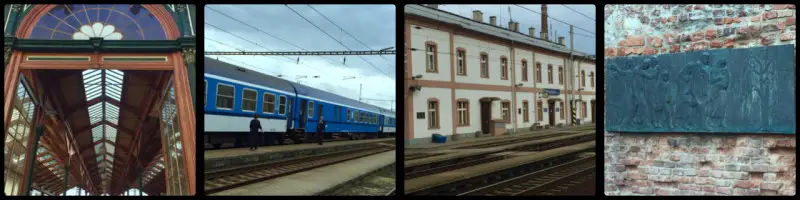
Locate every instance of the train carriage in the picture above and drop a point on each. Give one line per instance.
(233, 95)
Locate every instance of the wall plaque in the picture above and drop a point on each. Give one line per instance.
(715, 91)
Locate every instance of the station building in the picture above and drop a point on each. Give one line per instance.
(98, 99)
(468, 78)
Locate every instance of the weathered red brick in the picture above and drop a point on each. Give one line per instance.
(781, 25)
(650, 51)
(611, 51)
(728, 20)
(767, 40)
(716, 44)
(622, 51)
(661, 192)
(656, 41)
(724, 190)
(739, 20)
(755, 18)
(672, 18)
(787, 36)
(771, 185)
(711, 34)
(709, 188)
(674, 48)
(699, 7)
(697, 36)
(743, 184)
(780, 6)
(633, 41)
(770, 15)
(698, 46)
(790, 21)
(729, 43)
(643, 190)
(785, 13)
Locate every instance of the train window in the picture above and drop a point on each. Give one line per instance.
(269, 103)
(348, 114)
(310, 109)
(355, 116)
(249, 100)
(282, 105)
(224, 96)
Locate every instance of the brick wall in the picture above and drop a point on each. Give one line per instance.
(697, 164)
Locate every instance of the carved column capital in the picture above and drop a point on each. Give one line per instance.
(188, 55)
(7, 55)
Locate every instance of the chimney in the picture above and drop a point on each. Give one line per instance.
(434, 6)
(544, 22)
(511, 25)
(561, 40)
(493, 20)
(477, 15)
(532, 32)
(516, 26)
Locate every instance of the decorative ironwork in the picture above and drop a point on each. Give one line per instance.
(726, 90)
(188, 55)
(7, 55)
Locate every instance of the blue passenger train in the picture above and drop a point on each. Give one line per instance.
(234, 94)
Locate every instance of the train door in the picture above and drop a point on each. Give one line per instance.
(303, 118)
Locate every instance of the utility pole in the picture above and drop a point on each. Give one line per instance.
(360, 87)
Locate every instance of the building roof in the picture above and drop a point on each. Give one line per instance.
(488, 29)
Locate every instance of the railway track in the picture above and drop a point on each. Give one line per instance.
(554, 180)
(434, 168)
(525, 139)
(487, 174)
(224, 179)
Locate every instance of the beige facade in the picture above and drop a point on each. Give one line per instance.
(460, 81)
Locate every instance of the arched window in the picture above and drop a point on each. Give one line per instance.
(107, 21)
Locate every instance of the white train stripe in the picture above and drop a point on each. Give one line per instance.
(223, 123)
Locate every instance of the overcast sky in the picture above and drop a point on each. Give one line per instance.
(527, 19)
(374, 25)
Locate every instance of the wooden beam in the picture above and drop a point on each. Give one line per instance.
(185, 110)
(56, 99)
(148, 102)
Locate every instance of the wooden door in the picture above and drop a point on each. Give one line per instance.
(551, 108)
(486, 117)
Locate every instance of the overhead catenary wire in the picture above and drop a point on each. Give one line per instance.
(577, 27)
(340, 42)
(345, 32)
(578, 12)
(262, 31)
(229, 33)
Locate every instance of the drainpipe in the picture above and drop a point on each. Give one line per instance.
(513, 89)
(571, 79)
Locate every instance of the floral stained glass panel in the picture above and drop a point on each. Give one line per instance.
(107, 21)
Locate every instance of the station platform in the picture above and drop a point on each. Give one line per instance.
(317, 180)
(218, 159)
(416, 148)
(425, 182)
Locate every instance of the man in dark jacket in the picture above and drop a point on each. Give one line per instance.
(320, 130)
(255, 126)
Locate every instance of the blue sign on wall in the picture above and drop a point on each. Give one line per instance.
(725, 91)
(552, 91)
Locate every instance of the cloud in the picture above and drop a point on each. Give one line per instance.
(374, 25)
(527, 19)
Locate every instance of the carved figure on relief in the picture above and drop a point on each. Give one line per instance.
(694, 93)
(719, 90)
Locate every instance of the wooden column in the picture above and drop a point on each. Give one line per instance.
(187, 119)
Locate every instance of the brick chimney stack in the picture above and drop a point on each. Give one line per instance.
(544, 22)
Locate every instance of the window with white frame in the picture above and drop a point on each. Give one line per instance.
(461, 65)
(269, 103)
(282, 105)
(249, 100)
(225, 96)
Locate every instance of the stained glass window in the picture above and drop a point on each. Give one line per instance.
(107, 21)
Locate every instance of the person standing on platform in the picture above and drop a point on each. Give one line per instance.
(255, 126)
(320, 130)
